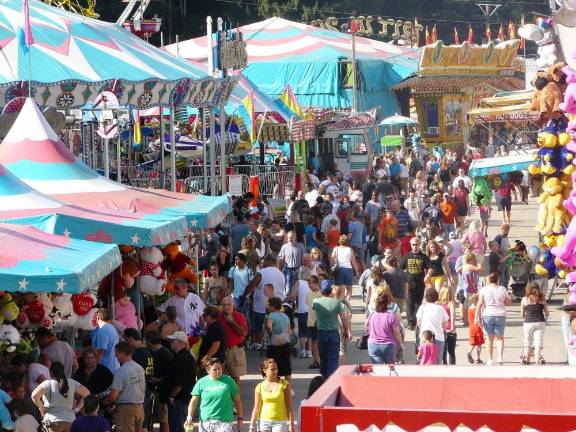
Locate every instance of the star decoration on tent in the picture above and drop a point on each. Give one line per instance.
(60, 285)
(135, 239)
(194, 223)
(22, 285)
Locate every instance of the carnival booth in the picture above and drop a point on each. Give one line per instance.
(374, 398)
(454, 79)
(34, 154)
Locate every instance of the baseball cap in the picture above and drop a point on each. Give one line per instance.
(179, 335)
(375, 260)
(452, 235)
(325, 286)
(439, 239)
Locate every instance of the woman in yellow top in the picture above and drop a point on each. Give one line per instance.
(272, 401)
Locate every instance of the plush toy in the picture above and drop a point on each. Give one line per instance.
(547, 44)
(547, 139)
(567, 251)
(9, 337)
(124, 278)
(565, 158)
(46, 301)
(62, 307)
(547, 96)
(152, 278)
(546, 162)
(480, 191)
(552, 216)
(572, 295)
(88, 321)
(177, 264)
(5, 418)
(82, 303)
(9, 310)
(546, 266)
(569, 103)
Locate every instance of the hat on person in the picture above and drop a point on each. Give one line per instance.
(453, 235)
(179, 335)
(439, 239)
(325, 287)
(375, 260)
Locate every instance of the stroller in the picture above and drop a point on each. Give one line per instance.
(520, 270)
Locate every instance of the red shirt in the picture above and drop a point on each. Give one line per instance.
(233, 338)
(405, 244)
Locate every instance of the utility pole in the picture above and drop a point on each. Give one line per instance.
(488, 9)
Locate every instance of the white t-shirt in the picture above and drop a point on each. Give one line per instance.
(404, 173)
(35, 370)
(311, 197)
(343, 255)
(188, 311)
(26, 423)
(457, 250)
(271, 275)
(466, 179)
(432, 317)
(303, 290)
(494, 298)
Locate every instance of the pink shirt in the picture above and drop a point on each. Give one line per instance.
(476, 241)
(428, 353)
(126, 314)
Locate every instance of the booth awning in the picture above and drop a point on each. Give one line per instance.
(500, 165)
(503, 113)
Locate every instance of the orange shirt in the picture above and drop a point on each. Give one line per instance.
(448, 212)
(332, 237)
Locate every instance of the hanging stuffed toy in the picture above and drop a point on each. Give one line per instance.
(178, 265)
(9, 310)
(9, 338)
(124, 278)
(5, 418)
(152, 278)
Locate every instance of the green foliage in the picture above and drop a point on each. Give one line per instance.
(446, 14)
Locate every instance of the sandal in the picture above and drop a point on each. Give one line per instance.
(470, 359)
(314, 365)
(479, 361)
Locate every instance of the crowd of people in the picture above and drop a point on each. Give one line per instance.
(283, 287)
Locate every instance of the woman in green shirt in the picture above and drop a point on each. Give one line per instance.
(217, 394)
(272, 401)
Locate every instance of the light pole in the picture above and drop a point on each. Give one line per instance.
(488, 9)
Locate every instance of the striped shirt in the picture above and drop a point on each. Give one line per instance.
(188, 312)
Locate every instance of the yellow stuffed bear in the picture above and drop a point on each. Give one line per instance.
(547, 140)
(552, 216)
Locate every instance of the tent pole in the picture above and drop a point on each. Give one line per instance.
(212, 152)
(106, 158)
(162, 167)
(204, 144)
(223, 139)
(119, 160)
(172, 152)
(92, 146)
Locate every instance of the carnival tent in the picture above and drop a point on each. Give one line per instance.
(24, 206)
(316, 64)
(34, 154)
(34, 261)
(73, 58)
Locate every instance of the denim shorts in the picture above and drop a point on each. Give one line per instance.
(494, 325)
(258, 321)
(273, 426)
(344, 276)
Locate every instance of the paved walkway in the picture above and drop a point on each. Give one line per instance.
(523, 222)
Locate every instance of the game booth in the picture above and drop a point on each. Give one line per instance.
(371, 398)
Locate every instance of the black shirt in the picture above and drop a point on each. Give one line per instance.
(367, 191)
(384, 189)
(214, 333)
(162, 359)
(98, 381)
(144, 358)
(181, 373)
(494, 262)
(415, 265)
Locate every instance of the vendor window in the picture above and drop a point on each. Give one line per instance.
(353, 144)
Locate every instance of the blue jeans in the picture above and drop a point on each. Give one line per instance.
(328, 348)
(177, 412)
(494, 325)
(382, 353)
(440, 352)
(245, 309)
(290, 275)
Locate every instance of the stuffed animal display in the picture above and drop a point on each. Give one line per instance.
(152, 278)
(178, 265)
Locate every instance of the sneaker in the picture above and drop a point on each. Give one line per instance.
(314, 365)
(309, 354)
(302, 354)
(489, 363)
(256, 347)
(470, 359)
(479, 361)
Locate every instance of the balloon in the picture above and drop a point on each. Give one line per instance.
(534, 252)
